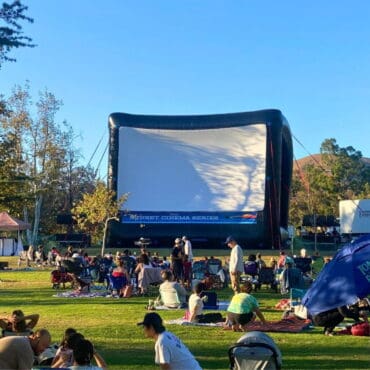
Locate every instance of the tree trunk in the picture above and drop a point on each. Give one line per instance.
(36, 221)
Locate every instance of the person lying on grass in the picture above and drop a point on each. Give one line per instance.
(243, 308)
(18, 323)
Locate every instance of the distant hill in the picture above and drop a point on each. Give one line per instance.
(314, 159)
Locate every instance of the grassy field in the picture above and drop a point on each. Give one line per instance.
(111, 325)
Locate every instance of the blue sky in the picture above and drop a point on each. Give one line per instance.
(310, 59)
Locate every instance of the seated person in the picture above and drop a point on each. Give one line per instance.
(83, 354)
(196, 307)
(242, 308)
(331, 318)
(18, 323)
(143, 264)
(290, 278)
(64, 355)
(260, 262)
(172, 294)
(123, 277)
(251, 266)
(165, 265)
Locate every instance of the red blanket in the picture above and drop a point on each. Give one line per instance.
(290, 325)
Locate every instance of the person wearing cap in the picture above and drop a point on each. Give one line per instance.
(18, 352)
(170, 352)
(236, 267)
(188, 251)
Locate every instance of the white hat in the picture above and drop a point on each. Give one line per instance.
(75, 255)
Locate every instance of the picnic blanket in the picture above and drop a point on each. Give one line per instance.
(288, 325)
(188, 323)
(78, 294)
(222, 306)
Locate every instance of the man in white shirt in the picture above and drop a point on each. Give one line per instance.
(170, 352)
(236, 266)
(188, 251)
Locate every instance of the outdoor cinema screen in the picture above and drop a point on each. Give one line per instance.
(201, 171)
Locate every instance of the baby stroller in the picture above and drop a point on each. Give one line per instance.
(60, 277)
(255, 351)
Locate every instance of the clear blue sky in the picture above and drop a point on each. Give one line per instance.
(310, 59)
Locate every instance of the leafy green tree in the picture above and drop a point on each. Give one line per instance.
(317, 188)
(38, 150)
(14, 184)
(95, 208)
(11, 35)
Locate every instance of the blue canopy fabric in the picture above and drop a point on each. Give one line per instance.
(343, 280)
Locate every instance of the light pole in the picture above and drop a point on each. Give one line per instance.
(105, 232)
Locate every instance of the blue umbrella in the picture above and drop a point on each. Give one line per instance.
(343, 280)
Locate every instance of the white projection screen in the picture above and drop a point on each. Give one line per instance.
(204, 170)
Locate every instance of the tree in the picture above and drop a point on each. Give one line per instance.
(40, 164)
(95, 208)
(11, 35)
(318, 187)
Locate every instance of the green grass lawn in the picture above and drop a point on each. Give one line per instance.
(111, 325)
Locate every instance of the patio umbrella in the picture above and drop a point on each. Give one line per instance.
(343, 280)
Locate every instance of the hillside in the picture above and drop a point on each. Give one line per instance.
(315, 159)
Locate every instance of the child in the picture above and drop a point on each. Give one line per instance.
(64, 356)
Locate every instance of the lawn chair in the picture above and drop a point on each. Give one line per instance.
(304, 264)
(214, 266)
(116, 284)
(129, 264)
(266, 276)
(60, 277)
(255, 351)
(251, 273)
(199, 270)
(80, 275)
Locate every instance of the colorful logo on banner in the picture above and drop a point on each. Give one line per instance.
(189, 218)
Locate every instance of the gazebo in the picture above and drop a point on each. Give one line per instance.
(9, 247)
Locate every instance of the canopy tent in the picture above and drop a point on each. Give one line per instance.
(343, 280)
(9, 223)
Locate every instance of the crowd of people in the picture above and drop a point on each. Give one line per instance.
(23, 350)
(22, 343)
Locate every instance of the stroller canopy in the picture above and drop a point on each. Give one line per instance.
(253, 351)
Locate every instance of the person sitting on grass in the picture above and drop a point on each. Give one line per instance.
(83, 354)
(243, 308)
(170, 352)
(120, 272)
(143, 264)
(18, 323)
(172, 294)
(64, 355)
(196, 307)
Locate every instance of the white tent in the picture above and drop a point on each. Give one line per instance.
(9, 247)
